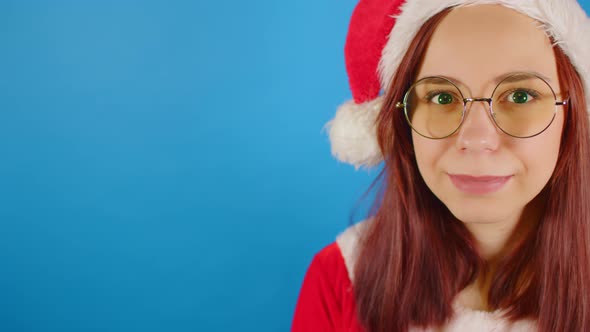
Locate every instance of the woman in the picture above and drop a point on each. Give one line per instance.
(482, 219)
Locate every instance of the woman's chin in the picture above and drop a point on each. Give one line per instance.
(480, 215)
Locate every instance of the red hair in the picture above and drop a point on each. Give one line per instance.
(415, 256)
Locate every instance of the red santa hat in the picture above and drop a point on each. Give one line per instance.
(379, 34)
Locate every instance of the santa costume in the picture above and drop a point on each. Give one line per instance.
(379, 34)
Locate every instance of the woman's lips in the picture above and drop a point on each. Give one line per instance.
(479, 185)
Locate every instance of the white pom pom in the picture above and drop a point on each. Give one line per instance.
(353, 133)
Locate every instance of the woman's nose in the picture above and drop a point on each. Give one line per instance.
(478, 132)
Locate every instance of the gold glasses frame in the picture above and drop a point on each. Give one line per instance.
(404, 104)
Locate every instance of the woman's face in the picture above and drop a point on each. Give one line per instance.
(475, 46)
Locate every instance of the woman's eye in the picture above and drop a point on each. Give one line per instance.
(442, 98)
(519, 97)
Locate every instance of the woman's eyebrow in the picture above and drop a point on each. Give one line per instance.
(518, 76)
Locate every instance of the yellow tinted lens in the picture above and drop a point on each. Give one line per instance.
(434, 107)
(523, 105)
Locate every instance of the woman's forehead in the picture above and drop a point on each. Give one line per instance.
(477, 44)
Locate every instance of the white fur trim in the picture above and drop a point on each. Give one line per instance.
(348, 244)
(467, 320)
(353, 133)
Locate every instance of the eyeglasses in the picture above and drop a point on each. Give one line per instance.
(522, 105)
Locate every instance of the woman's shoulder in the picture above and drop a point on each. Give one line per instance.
(326, 300)
(341, 255)
(335, 262)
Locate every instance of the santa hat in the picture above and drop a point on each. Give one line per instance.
(381, 31)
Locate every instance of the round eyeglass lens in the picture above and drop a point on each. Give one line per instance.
(434, 107)
(523, 105)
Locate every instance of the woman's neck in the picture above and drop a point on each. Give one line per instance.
(495, 241)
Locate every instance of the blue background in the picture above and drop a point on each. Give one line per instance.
(163, 165)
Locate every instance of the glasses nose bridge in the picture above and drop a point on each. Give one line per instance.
(471, 100)
(467, 101)
(468, 108)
